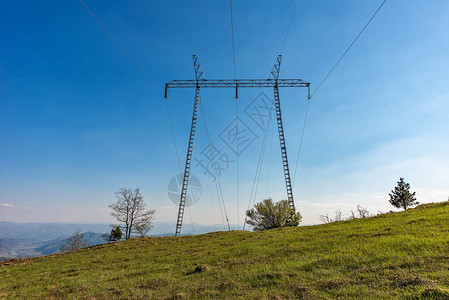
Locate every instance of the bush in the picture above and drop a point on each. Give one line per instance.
(268, 215)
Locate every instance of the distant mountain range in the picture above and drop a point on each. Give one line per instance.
(34, 239)
(46, 231)
(26, 247)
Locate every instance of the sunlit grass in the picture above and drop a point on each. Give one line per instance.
(395, 255)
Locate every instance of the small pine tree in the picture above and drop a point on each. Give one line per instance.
(114, 236)
(116, 233)
(401, 197)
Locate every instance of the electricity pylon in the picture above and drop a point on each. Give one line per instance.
(199, 82)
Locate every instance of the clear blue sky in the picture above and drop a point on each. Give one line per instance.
(78, 120)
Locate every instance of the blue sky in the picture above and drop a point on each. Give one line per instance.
(78, 120)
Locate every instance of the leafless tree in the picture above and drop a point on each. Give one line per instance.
(338, 216)
(74, 242)
(352, 215)
(129, 209)
(325, 219)
(362, 211)
(145, 224)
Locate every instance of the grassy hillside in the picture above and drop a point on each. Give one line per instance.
(396, 255)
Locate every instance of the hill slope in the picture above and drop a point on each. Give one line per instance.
(395, 255)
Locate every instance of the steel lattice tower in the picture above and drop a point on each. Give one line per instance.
(199, 83)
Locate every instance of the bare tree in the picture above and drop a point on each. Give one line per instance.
(145, 223)
(363, 212)
(142, 228)
(74, 242)
(338, 215)
(129, 209)
(325, 219)
(352, 215)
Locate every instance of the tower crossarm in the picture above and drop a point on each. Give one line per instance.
(234, 83)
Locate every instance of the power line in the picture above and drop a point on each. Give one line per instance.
(123, 50)
(177, 157)
(289, 25)
(217, 182)
(236, 120)
(232, 33)
(187, 36)
(269, 158)
(324, 79)
(212, 204)
(282, 50)
(353, 42)
(143, 73)
(255, 185)
(217, 177)
(152, 84)
(300, 142)
(173, 135)
(183, 26)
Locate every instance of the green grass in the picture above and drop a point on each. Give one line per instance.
(397, 255)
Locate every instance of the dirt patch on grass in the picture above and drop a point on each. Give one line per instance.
(433, 293)
(71, 272)
(232, 263)
(416, 221)
(270, 276)
(178, 296)
(408, 281)
(300, 292)
(155, 284)
(334, 284)
(200, 269)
